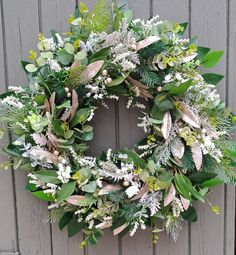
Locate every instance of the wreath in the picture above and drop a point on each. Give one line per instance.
(187, 148)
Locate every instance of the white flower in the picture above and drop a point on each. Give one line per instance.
(11, 101)
(63, 173)
(132, 190)
(54, 65)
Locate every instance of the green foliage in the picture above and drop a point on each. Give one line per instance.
(152, 50)
(74, 227)
(66, 190)
(211, 58)
(190, 215)
(212, 78)
(150, 77)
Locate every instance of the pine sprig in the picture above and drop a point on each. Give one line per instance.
(152, 50)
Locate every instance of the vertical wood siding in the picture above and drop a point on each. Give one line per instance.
(22, 230)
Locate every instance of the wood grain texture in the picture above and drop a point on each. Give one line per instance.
(208, 21)
(229, 243)
(8, 240)
(21, 33)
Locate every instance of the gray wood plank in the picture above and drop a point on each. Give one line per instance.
(208, 20)
(8, 240)
(9, 253)
(229, 244)
(21, 28)
(179, 13)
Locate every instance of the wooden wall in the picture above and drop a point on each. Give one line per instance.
(21, 215)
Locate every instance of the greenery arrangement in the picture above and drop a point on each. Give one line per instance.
(106, 55)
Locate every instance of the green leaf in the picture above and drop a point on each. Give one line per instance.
(211, 58)
(39, 99)
(90, 187)
(181, 89)
(57, 127)
(43, 196)
(100, 55)
(74, 227)
(164, 105)
(31, 68)
(47, 176)
(212, 78)
(199, 177)
(69, 48)
(66, 104)
(211, 183)
(66, 190)
(95, 237)
(12, 150)
(134, 157)
(182, 186)
(128, 15)
(64, 57)
(184, 27)
(202, 51)
(80, 116)
(190, 215)
(65, 219)
(119, 80)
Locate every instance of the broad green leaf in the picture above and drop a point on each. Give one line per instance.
(190, 215)
(81, 55)
(65, 219)
(212, 78)
(90, 187)
(31, 68)
(64, 57)
(182, 186)
(69, 48)
(66, 190)
(66, 104)
(202, 51)
(181, 89)
(47, 55)
(100, 55)
(134, 157)
(43, 196)
(118, 80)
(39, 99)
(211, 183)
(80, 116)
(211, 58)
(199, 177)
(47, 176)
(12, 150)
(164, 105)
(41, 61)
(128, 15)
(74, 227)
(95, 237)
(57, 127)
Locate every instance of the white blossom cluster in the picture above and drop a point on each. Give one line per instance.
(54, 66)
(64, 171)
(11, 101)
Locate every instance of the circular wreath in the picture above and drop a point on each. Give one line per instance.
(106, 55)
